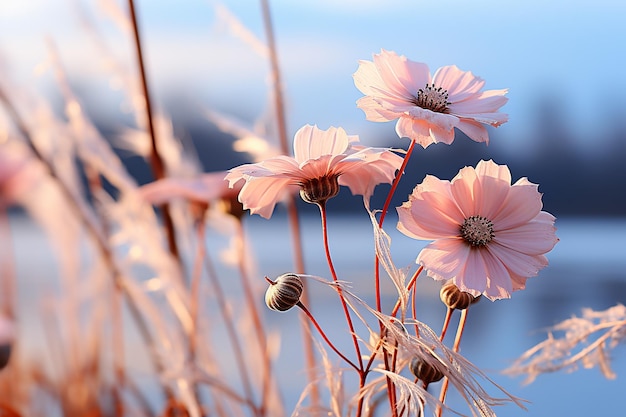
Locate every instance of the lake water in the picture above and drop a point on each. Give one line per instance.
(587, 269)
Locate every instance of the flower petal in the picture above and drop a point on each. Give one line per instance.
(260, 195)
(499, 284)
(459, 84)
(377, 166)
(444, 259)
(310, 142)
(430, 214)
(518, 262)
(533, 238)
(474, 130)
(523, 203)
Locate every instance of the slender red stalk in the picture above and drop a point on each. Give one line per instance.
(346, 311)
(156, 162)
(326, 339)
(446, 323)
(410, 285)
(414, 308)
(383, 214)
(455, 348)
(394, 186)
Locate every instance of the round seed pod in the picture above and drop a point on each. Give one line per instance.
(283, 293)
(454, 298)
(425, 371)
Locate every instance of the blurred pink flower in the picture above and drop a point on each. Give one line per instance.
(203, 188)
(427, 108)
(489, 236)
(206, 189)
(323, 160)
(18, 174)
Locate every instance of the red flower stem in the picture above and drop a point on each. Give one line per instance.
(446, 323)
(414, 308)
(394, 186)
(455, 348)
(292, 210)
(322, 206)
(383, 214)
(326, 339)
(156, 162)
(393, 313)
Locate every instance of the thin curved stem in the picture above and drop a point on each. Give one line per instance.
(455, 348)
(322, 207)
(446, 323)
(394, 186)
(326, 339)
(410, 285)
(383, 214)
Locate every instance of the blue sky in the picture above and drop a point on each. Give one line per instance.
(572, 51)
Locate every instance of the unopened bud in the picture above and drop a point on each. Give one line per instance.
(454, 298)
(425, 371)
(283, 293)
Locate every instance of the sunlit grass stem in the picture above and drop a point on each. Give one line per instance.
(259, 329)
(96, 236)
(156, 161)
(227, 318)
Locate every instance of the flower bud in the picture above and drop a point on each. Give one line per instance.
(425, 371)
(283, 293)
(454, 298)
(318, 190)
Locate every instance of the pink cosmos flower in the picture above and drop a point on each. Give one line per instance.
(323, 160)
(427, 108)
(489, 236)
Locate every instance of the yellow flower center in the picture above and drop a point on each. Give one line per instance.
(477, 231)
(318, 190)
(432, 98)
